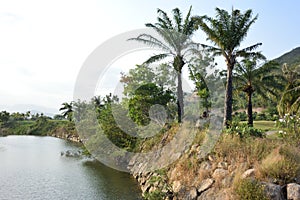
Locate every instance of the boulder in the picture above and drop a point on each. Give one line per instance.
(223, 165)
(205, 166)
(214, 194)
(191, 194)
(273, 191)
(220, 173)
(205, 184)
(176, 187)
(293, 191)
(248, 173)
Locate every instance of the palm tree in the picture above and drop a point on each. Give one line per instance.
(290, 100)
(226, 32)
(250, 77)
(175, 42)
(67, 109)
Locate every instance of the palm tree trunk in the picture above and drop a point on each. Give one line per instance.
(228, 97)
(180, 108)
(249, 111)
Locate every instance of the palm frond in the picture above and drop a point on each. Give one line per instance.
(178, 19)
(165, 17)
(151, 41)
(156, 58)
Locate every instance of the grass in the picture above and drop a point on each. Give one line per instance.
(264, 125)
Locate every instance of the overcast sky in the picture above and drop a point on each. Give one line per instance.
(44, 43)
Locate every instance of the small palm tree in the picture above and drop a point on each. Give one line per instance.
(250, 77)
(226, 32)
(67, 109)
(175, 42)
(290, 100)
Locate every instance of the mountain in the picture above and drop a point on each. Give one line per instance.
(291, 58)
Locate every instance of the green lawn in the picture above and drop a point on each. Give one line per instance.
(264, 125)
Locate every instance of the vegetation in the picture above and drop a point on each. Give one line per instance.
(227, 31)
(290, 100)
(248, 189)
(175, 42)
(149, 91)
(250, 78)
(22, 124)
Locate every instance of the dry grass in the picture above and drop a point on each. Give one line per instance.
(249, 150)
(282, 165)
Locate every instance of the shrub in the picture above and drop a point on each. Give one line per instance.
(244, 131)
(250, 189)
(282, 165)
(248, 150)
(290, 130)
(155, 195)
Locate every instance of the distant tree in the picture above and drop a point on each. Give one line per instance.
(67, 110)
(175, 43)
(4, 117)
(227, 31)
(18, 116)
(58, 117)
(251, 77)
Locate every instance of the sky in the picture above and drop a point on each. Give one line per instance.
(43, 43)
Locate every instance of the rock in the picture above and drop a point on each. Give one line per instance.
(211, 158)
(227, 181)
(192, 194)
(273, 191)
(219, 173)
(175, 173)
(293, 191)
(223, 165)
(176, 187)
(187, 194)
(205, 166)
(248, 173)
(214, 194)
(145, 188)
(194, 148)
(205, 184)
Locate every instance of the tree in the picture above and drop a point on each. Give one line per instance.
(290, 100)
(67, 109)
(227, 31)
(176, 43)
(198, 74)
(146, 96)
(250, 77)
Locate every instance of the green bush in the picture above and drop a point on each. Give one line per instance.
(155, 195)
(249, 189)
(244, 131)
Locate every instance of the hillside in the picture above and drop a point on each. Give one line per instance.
(291, 58)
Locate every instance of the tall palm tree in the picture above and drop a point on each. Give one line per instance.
(227, 31)
(175, 42)
(250, 77)
(67, 109)
(290, 100)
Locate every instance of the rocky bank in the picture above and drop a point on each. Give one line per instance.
(193, 177)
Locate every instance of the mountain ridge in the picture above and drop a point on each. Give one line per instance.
(291, 58)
